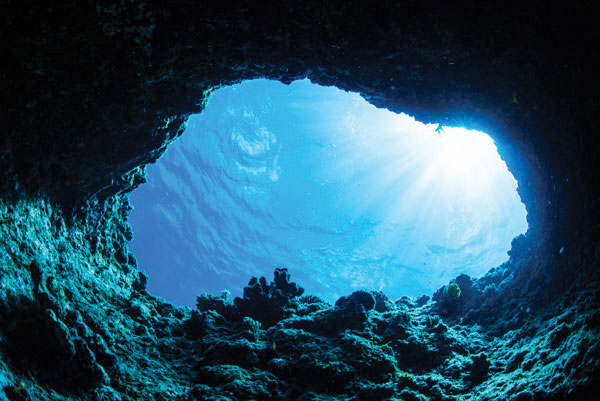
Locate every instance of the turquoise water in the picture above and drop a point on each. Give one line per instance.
(317, 180)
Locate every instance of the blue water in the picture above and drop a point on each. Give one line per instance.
(317, 180)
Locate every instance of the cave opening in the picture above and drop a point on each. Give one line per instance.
(345, 195)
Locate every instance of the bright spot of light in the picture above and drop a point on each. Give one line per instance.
(467, 156)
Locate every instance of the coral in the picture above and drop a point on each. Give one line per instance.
(422, 300)
(312, 300)
(383, 303)
(141, 282)
(358, 301)
(479, 368)
(269, 303)
(221, 305)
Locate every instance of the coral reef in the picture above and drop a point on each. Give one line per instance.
(116, 341)
(269, 303)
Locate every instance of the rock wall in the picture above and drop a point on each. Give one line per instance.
(92, 91)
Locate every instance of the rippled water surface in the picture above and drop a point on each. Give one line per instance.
(315, 179)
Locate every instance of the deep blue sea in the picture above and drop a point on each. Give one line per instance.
(315, 179)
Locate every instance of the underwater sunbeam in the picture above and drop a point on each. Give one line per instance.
(317, 180)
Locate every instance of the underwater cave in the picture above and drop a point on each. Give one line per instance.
(344, 195)
(94, 94)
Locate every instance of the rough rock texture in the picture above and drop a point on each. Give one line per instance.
(94, 90)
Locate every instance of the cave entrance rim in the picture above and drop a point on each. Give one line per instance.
(256, 148)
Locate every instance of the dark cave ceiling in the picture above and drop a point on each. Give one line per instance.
(93, 91)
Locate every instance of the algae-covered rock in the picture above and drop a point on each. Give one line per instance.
(269, 303)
